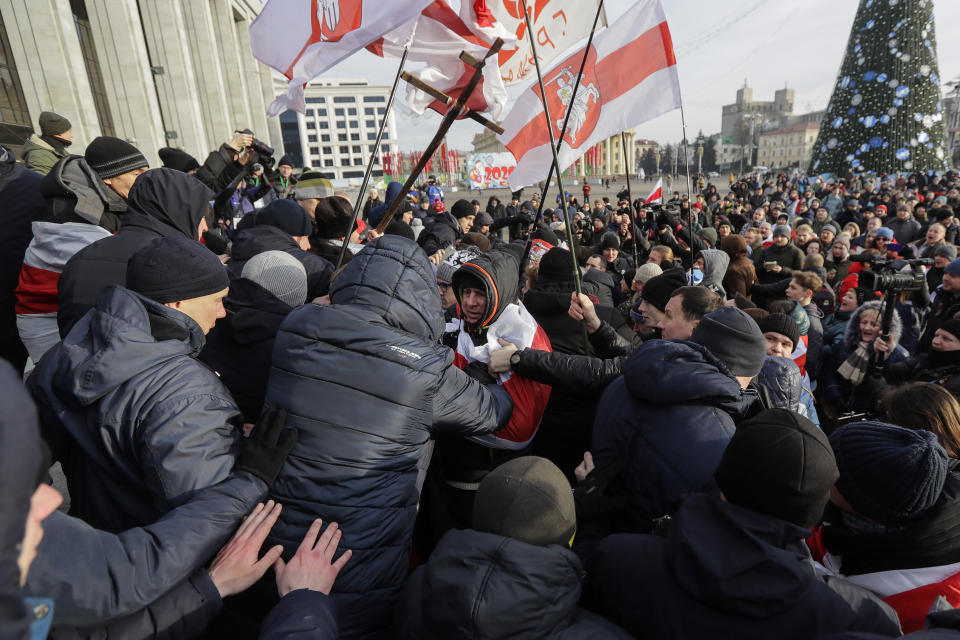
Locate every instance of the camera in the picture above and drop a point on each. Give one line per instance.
(889, 275)
(262, 147)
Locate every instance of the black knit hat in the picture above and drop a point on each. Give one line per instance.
(400, 228)
(527, 499)
(952, 327)
(178, 159)
(658, 290)
(333, 216)
(555, 266)
(175, 268)
(887, 473)
(462, 208)
(287, 215)
(53, 124)
(783, 324)
(780, 464)
(111, 157)
(610, 241)
(285, 159)
(483, 218)
(734, 339)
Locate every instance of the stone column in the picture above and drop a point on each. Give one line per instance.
(131, 94)
(232, 68)
(210, 86)
(52, 72)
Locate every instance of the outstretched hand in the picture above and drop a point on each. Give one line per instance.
(312, 567)
(238, 564)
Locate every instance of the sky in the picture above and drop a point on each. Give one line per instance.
(718, 44)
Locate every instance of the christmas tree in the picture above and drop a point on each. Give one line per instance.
(885, 114)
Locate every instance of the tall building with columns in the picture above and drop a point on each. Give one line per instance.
(157, 73)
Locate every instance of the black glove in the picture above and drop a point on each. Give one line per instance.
(264, 452)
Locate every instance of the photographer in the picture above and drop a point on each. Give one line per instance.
(223, 166)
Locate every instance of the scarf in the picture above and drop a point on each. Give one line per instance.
(854, 369)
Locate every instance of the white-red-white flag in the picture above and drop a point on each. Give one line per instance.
(630, 77)
(557, 26)
(443, 30)
(656, 194)
(303, 38)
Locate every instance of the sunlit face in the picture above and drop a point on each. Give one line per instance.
(795, 291)
(849, 301)
(869, 326)
(205, 310)
(780, 241)
(951, 282)
(611, 253)
(765, 229)
(778, 345)
(945, 341)
(473, 302)
(826, 236)
(935, 234)
(804, 235)
(674, 325)
(466, 222)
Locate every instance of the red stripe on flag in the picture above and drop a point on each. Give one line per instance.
(442, 13)
(37, 290)
(476, 101)
(616, 74)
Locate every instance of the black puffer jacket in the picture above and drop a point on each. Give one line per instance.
(138, 423)
(240, 346)
(250, 242)
(724, 567)
(366, 384)
(939, 367)
(485, 586)
(782, 380)
(443, 231)
(162, 202)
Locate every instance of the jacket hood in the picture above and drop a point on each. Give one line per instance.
(498, 270)
(21, 461)
(249, 242)
(377, 212)
(75, 193)
(781, 377)
(715, 263)
(484, 586)
(168, 202)
(392, 277)
(253, 313)
(667, 372)
(851, 335)
(549, 298)
(738, 560)
(734, 245)
(112, 343)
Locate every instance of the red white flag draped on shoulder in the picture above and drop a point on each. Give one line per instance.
(656, 194)
(303, 38)
(630, 77)
(557, 26)
(443, 30)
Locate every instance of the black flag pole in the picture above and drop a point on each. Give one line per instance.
(556, 157)
(563, 132)
(632, 214)
(372, 161)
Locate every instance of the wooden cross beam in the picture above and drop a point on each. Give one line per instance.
(455, 110)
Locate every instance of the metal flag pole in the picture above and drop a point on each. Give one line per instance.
(632, 214)
(373, 159)
(686, 161)
(556, 160)
(563, 131)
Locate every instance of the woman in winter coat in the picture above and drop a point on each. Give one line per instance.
(741, 275)
(847, 375)
(940, 365)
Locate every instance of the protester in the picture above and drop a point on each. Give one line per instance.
(927, 406)
(43, 151)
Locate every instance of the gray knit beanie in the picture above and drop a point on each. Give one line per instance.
(279, 273)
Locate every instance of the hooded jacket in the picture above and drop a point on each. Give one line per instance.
(670, 416)
(724, 570)
(488, 587)
(162, 202)
(366, 383)
(41, 153)
(741, 274)
(240, 346)
(74, 192)
(442, 231)
(715, 263)
(137, 422)
(250, 242)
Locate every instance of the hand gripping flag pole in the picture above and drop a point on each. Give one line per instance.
(372, 161)
(633, 214)
(563, 132)
(556, 159)
(457, 109)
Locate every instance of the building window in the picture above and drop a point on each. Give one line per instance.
(290, 131)
(312, 137)
(14, 115)
(309, 112)
(371, 123)
(325, 137)
(338, 112)
(356, 148)
(92, 65)
(327, 150)
(311, 124)
(315, 100)
(341, 124)
(374, 99)
(314, 151)
(354, 124)
(352, 111)
(353, 174)
(324, 124)
(341, 137)
(344, 99)
(328, 162)
(381, 110)
(369, 111)
(355, 136)
(372, 148)
(385, 148)
(358, 161)
(371, 136)
(344, 150)
(321, 112)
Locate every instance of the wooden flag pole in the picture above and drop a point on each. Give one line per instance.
(556, 165)
(371, 162)
(458, 109)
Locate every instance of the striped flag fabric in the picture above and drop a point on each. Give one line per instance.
(630, 77)
(656, 194)
(304, 38)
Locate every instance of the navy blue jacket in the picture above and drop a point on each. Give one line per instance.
(670, 416)
(726, 571)
(301, 615)
(485, 586)
(366, 383)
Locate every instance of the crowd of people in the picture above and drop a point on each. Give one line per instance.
(731, 414)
